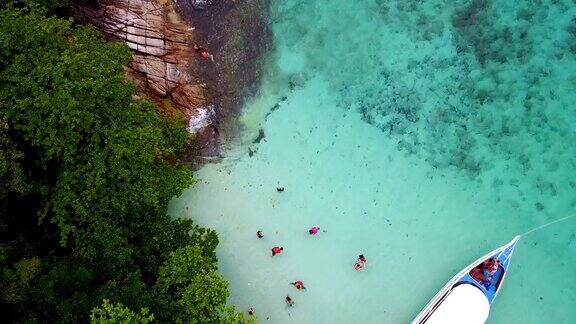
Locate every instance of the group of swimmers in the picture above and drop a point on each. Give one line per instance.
(299, 284)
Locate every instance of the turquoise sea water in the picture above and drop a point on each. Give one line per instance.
(420, 133)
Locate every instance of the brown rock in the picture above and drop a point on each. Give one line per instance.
(187, 95)
(160, 39)
(164, 59)
(158, 85)
(156, 67)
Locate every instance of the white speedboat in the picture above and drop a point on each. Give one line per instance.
(468, 296)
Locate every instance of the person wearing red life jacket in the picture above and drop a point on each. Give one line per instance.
(298, 284)
(203, 52)
(277, 250)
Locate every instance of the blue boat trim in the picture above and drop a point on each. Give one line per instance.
(474, 275)
(490, 289)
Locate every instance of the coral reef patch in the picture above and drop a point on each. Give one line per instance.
(483, 86)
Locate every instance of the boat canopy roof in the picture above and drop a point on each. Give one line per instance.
(464, 304)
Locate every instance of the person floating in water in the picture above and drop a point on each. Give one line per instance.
(289, 301)
(203, 52)
(280, 189)
(314, 230)
(277, 250)
(251, 311)
(298, 284)
(360, 263)
(259, 234)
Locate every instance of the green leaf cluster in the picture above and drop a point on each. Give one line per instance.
(118, 314)
(87, 172)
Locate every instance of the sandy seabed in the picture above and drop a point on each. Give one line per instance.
(422, 134)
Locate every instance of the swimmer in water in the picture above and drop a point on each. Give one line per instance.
(277, 250)
(314, 230)
(289, 301)
(360, 263)
(203, 52)
(251, 311)
(298, 284)
(280, 189)
(259, 234)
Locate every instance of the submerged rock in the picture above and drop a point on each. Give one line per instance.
(169, 71)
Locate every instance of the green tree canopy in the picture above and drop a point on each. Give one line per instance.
(87, 174)
(118, 314)
(191, 288)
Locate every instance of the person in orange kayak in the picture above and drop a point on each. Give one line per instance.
(277, 250)
(298, 284)
(203, 52)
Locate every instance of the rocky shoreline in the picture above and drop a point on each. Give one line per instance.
(167, 70)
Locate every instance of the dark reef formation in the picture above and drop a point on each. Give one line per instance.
(486, 87)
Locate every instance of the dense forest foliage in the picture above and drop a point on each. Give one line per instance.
(86, 174)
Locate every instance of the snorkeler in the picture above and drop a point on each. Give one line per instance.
(259, 234)
(203, 52)
(360, 263)
(277, 250)
(314, 230)
(289, 301)
(298, 284)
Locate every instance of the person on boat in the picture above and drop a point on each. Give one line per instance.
(298, 284)
(314, 230)
(277, 250)
(477, 274)
(203, 52)
(495, 264)
(259, 234)
(289, 301)
(490, 266)
(487, 281)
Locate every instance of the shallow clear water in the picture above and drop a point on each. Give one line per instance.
(420, 133)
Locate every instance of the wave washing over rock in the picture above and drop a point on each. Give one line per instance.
(484, 86)
(166, 69)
